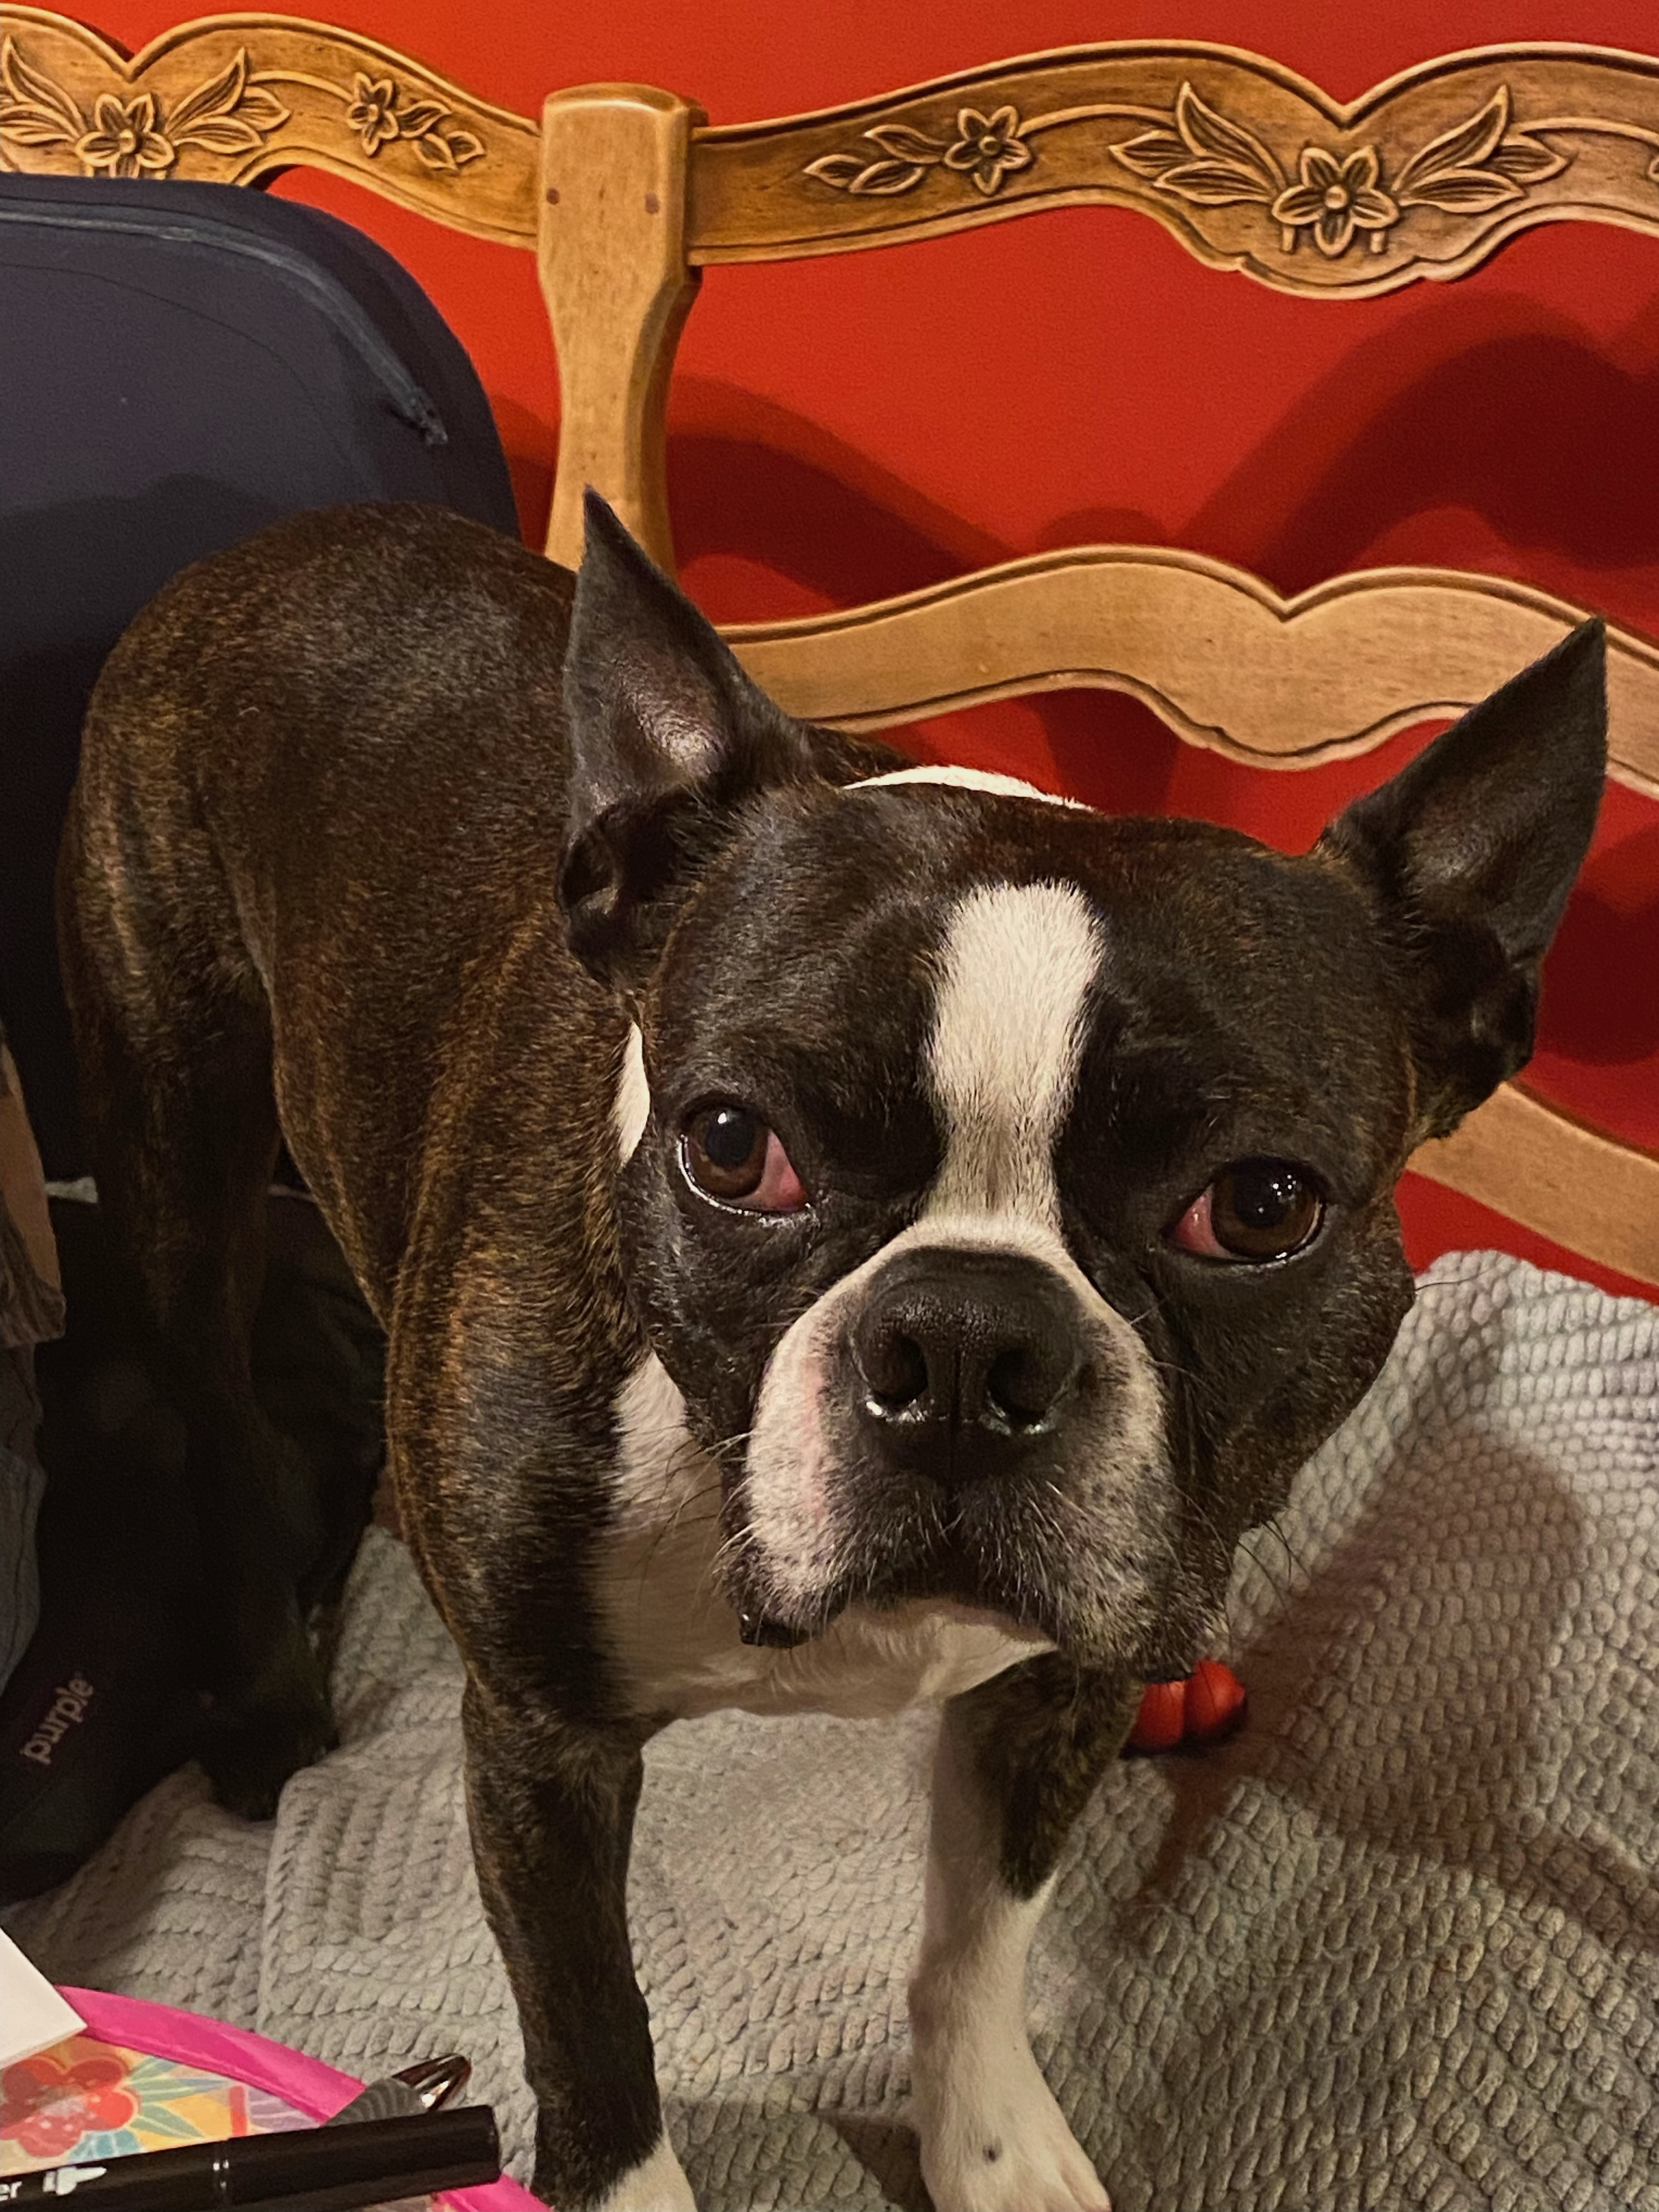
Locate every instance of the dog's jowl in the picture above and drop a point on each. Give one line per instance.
(846, 1235)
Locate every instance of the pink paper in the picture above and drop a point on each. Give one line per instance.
(218, 2048)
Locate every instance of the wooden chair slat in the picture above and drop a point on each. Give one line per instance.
(1227, 662)
(236, 99)
(1431, 173)
(1581, 1189)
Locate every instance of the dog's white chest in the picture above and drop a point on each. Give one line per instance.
(676, 1637)
(690, 1662)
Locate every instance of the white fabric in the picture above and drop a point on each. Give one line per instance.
(1397, 1944)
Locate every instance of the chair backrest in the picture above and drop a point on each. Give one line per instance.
(1252, 169)
(625, 195)
(237, 99)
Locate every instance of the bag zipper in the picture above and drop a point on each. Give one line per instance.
(325, 291)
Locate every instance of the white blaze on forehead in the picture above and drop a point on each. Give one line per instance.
(966, 779)
(1017, 963)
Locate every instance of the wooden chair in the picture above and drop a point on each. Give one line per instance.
(625, 195)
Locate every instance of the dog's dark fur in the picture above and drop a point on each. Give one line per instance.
(370, 846)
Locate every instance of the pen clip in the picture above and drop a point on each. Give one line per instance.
(436, 2081)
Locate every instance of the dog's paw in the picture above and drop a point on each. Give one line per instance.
(252, 1749)
(993, 2140)
(657, 2184)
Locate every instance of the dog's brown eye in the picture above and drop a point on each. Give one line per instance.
(726, 1151)
(1254, 1209)
(731, 1155)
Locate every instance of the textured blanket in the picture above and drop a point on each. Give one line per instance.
(1396, 1945)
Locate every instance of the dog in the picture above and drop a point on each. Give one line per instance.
(846, 1232)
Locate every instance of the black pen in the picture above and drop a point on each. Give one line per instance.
(308, 2170)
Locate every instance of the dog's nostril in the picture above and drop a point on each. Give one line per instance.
(1024, 1383)
(895, 1369)
(1014, 1391)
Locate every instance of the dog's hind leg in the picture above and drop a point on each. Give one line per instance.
(172, 1038)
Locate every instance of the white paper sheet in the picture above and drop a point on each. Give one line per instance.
(32, 2016)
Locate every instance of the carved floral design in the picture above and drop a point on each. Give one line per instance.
(370, 114)
(129, 134)
(1205, 158)
(1201, 156)
(987, 147)
(1334, 198)
(1479, 166)
(130, 137)
(1196, 154)
(908, 156)
(125, 140)
(376, 114)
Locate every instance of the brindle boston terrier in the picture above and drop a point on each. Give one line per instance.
(846, 1236)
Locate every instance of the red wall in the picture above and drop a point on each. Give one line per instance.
(846, 428)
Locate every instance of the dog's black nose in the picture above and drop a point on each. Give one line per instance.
(958, 1351)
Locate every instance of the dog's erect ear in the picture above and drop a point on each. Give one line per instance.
(669, 739)
(1469, 855)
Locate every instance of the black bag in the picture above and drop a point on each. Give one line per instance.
(180, 365)
(103, 1701)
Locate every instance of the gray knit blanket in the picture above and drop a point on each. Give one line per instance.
(1396, 1945)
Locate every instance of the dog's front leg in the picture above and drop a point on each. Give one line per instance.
(1017, 1760)
(552, 1806)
